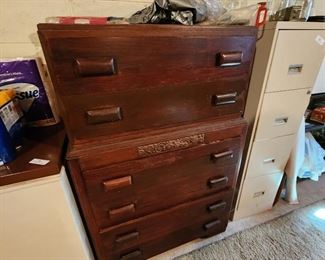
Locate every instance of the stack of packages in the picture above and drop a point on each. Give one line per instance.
(24, 102)
(318, 115)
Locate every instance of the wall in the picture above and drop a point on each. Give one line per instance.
(18, 19)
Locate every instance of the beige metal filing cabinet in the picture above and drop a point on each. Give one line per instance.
(287, 61)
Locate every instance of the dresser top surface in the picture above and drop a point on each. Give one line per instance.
(151, 29)
(43, 143)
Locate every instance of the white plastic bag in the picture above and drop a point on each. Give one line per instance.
(314, 164)
(241, 16)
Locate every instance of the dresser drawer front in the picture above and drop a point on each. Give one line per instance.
(194, 219)
(281, 113)
(270, 156)
(99, 115)
(292, 65)
(115, 79)
(85, 59)
(132, 189)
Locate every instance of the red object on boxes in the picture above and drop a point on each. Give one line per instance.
(318, 115)
(261, 14)
(77, 20)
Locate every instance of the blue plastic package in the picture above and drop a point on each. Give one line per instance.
(7, 147)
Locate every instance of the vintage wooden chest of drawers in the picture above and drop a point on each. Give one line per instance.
(153, 115)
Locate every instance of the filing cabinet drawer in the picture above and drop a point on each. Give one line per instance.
(269, 156)
(292, 65)
(132, 189)
(258, 194)
(202, 217)
(281, 113)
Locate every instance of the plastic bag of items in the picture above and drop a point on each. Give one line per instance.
(187, 12)
(251, 15)
(215, 9)
(314, 164)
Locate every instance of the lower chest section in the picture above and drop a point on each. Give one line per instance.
(169, 191)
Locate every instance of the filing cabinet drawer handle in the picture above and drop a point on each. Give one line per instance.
(258, 194)
(295, 69)
(126, 237)
(104, 115)
(281, 120)
(217, 156)
(121, 212)
(269, 160)
(117, 183)
(212, 224)
(214, 182)
(229, 59)
(216, 206)
(131, 255)
(224, 99)
(95, 66)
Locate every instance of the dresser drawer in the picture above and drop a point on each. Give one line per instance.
(162, 230)
(269, 156)
(297, 58)
(98, 115)
(281, 113)
(132, 189)
(113, 79)
(87, 59)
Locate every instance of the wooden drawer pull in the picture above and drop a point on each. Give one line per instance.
(104, 115)
(217, 156)
(117, 183)
(131, 255)
(214, 182)
(216, 206)
(121, 212)
(211, 224)
(228, 59)
(127, 237)
(95, 66)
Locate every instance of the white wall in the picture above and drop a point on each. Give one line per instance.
(18, 19)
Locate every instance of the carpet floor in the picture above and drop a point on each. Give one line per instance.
(297, 235)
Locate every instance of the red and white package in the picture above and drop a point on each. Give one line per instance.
(77, 20)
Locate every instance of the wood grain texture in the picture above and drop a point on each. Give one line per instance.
(161, 224)
(163, 171)
(44, 143)
(178, 66)
(186, 174)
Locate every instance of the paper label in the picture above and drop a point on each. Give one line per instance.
(320, 40)
(39, 161)
(9, 115)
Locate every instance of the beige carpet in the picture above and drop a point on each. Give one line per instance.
(309, 193)
(297, 235)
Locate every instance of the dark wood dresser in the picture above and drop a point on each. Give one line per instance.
(153, 116)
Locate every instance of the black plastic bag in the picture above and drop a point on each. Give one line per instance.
(185, 12)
